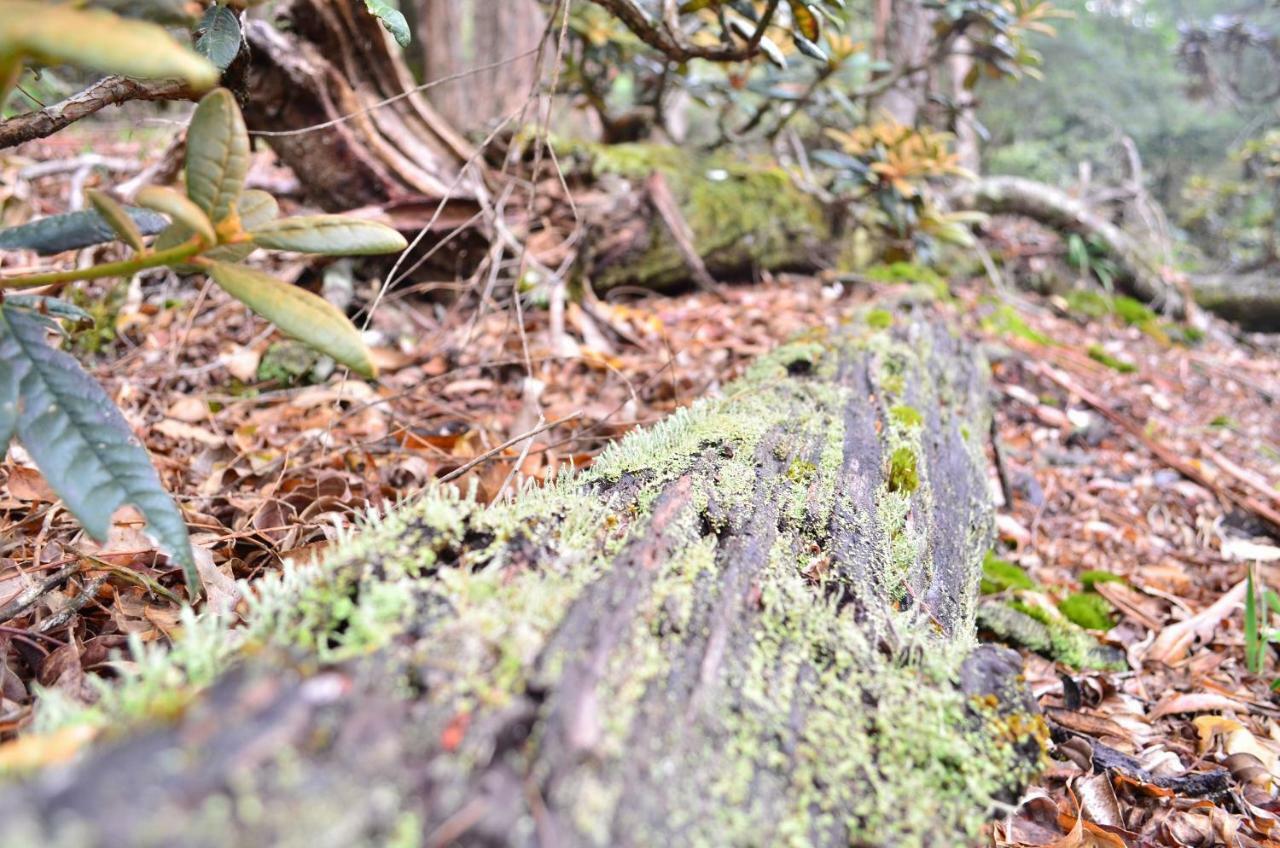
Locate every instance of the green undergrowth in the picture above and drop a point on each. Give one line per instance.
(458, 586)
(1024, 613)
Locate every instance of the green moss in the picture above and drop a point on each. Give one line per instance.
(1089, 610)
(880, 319)
(1093, 577)
(801, 472)
(903, 474)
(1090, 303)
(999, 575)
(742, 215)
(907, 416)
(1006, 321)
(1133, 312)
(1097, 354)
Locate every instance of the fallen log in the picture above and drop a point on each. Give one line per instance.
(1140, 272)
(1251, 300)
(750, 624)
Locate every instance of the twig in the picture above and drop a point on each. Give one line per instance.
(24, 601)
(515, 466)
(665, 203)
(1005, 488)
(87, 593)
(490, 454)
(1267, 514)
(109, 91)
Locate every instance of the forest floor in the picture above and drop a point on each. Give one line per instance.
(1126, 448)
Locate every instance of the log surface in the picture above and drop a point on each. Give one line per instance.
(751, 624)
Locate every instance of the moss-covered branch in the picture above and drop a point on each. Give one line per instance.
(751, 624)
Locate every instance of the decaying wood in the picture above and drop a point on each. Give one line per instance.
(1251, 300)
(751, 624)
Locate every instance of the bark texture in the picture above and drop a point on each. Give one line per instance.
(751, 624)
(312, 90)
(458, 36)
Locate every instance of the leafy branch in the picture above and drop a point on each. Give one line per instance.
(63, 418)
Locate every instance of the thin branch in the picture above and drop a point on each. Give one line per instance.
(672, 43)
(490, 454)
(109, 91)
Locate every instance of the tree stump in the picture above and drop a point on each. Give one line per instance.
(752, 624)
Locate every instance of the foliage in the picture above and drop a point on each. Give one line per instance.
(93, 39)
(1257, 632)
(893, 163)
(1234, 216)
(111, 39)
(62, 417)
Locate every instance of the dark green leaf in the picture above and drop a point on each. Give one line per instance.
(298, 312)
(218, 36)
(79, 440)
(74, 231)
(391, 19)
(217, 154)
(50, 306)
(333, 235)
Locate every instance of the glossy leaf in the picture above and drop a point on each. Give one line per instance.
(96, 40)
(217, 154)
(179, 208)
(392, 20)
(74, 230)
(80, 441)
(333, 235)
(218, 36)
(116, 217)
(297, 312)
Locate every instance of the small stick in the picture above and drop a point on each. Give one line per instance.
(24, 601)
(490, 454)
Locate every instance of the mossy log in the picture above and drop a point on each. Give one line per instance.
(1251, 300)
(741, 218)
(752, 624)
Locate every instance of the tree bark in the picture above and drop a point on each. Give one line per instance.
(752, 624)
(460, 35)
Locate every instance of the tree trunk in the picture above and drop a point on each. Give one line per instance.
(752, 624)
(1252, 300)
(460, 35)
(904, 31)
